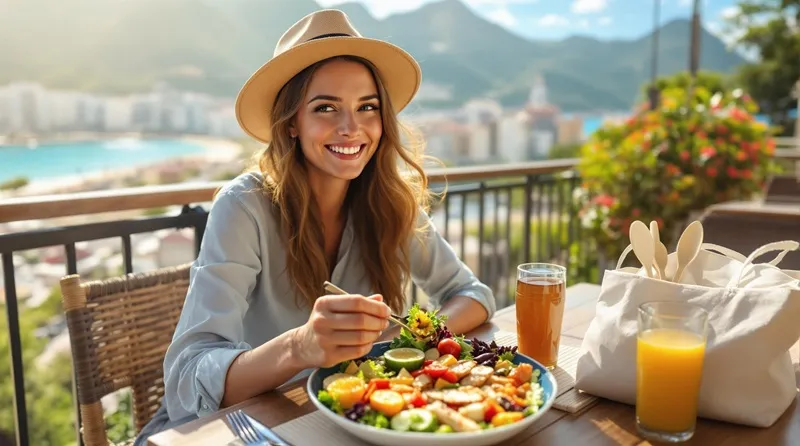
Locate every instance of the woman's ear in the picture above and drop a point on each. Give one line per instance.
(293, 131)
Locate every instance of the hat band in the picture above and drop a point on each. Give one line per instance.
(324, 36)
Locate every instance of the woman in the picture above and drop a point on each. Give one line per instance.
(327, 201)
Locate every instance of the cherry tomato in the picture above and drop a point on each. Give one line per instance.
(449, 346)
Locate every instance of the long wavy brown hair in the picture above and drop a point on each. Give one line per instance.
(388, 196)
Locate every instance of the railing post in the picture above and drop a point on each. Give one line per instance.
(481, 228)
(526, 227)
(15, 346)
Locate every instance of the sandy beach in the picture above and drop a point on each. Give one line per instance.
(217, 151)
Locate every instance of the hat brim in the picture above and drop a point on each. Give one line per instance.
(399, 72)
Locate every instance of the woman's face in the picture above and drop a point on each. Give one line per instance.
(339, 122)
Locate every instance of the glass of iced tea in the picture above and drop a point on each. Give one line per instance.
(541, 292)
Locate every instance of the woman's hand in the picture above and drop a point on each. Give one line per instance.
(340, 328)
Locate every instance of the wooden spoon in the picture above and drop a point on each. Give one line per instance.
(661, 255)
(643, 246)
(688, 247)
(331, 288)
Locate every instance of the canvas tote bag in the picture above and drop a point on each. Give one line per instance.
(754, 319)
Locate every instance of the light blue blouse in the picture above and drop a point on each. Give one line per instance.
(239, 295)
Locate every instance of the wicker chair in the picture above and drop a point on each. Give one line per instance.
(119, 330)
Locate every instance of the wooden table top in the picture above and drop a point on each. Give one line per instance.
(604, 423)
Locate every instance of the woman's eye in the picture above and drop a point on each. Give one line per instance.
(370, 107)
(323, 108)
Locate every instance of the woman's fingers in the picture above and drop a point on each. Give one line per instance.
(354, 304)
(354, 321)
(352, 337)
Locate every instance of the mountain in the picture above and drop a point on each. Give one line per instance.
(118, 46)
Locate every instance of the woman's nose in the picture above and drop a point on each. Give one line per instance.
(348, 124)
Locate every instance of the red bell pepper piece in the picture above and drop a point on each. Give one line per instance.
(450, 376)
(417, 372)
(435, 370)
(418, 400)
(380, 383)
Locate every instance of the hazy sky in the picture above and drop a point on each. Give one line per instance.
(553, 19)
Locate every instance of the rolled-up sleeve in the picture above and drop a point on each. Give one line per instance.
(210, 334)
(438, 271)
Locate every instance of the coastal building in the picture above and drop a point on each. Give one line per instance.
(570, 129)
(541, 122)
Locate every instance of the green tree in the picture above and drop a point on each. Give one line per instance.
(770, 28)
(561, 151)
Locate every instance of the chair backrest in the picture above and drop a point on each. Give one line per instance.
(119, 331)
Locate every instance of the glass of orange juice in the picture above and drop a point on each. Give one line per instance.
(541, 289)
(671, 344)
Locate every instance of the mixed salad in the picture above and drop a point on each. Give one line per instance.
(437, 384)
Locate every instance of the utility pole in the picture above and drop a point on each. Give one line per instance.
(653, 91)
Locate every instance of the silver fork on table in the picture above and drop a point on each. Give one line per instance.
(249, 434)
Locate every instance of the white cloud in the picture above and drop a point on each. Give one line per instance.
(383, 8)
(553, 20)
(588, 6)
(379, 8)
(502, 16)
(604, 21)
(729, 12)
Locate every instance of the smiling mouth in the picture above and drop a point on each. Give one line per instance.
(346, 150)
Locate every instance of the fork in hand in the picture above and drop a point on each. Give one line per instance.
(246, 432)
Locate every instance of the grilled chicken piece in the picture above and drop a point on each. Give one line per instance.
(463, 396)
(435, 395)
(462, 368)
(474, 411)
(450, 417)
(477, 376)
(422, 382)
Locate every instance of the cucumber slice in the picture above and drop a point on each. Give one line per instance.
(423, 420)
(417, 420)
(401, 422)
(404, 358)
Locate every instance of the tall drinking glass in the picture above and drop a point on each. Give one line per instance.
(541, 292)
(671, 345)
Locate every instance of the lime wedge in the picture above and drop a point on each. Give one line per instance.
(404, 358)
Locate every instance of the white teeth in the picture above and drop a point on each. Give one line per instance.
(345, 150)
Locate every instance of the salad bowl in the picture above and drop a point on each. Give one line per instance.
(408, 392)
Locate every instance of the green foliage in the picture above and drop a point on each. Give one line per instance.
(14, 183)
(561, 151)
(770, 28)
(154, 212)
(711, 81)
(661, 165)
(51, 415)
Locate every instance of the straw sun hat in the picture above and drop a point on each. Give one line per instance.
(315, 37)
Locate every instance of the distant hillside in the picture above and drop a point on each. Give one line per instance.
(118, 46)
